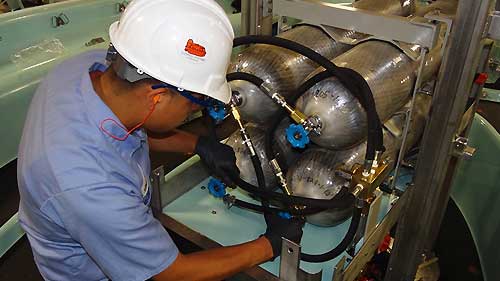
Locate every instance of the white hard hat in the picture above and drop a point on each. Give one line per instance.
(184, 43)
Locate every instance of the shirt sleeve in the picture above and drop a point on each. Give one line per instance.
(116, 229)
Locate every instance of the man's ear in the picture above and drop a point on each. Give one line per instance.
(158, 95)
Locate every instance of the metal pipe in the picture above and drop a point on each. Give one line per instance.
(409, 116)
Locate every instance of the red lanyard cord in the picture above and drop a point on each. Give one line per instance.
(101, 126)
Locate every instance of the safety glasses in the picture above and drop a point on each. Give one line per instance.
(204, 101)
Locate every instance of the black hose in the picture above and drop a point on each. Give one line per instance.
(352, 80)
(342, 200)
(259, 173)
(263, 209)
(245, 77)
(261, 180)
(342, 246)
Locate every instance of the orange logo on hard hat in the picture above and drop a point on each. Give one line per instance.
(195, 49)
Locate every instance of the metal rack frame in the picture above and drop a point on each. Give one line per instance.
(419, 211)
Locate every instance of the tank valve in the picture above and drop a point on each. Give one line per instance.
(217, 111)
(217, 188)
(297, 136)
(236, 98)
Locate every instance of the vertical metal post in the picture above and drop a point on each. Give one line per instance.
(290, 259)
(409, 115)
(245, 17)
(418, 228)
(256, 17)
(157, 179)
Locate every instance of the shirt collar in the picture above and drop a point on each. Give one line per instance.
(99, 111)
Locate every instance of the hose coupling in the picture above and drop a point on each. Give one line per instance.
(243, 132)
(357, 190)
(313, 124)
(367, 168)
(229, 200)
(359, 203)
(279, 174)
(296, 115)
(236, 98)
(378, 155)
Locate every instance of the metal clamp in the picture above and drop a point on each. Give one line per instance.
(60, 20)
(462, 149)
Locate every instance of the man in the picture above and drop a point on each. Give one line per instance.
(83, 160)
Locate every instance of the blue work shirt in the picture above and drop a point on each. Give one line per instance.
(84, 195)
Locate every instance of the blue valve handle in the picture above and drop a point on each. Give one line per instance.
(217, 188)
(285, 215)
(297, 136)
(217, 110)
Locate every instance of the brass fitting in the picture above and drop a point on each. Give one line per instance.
(363, 184)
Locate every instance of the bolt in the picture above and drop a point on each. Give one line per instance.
(214, 212)
(203, 187)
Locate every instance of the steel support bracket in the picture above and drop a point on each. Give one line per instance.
(290, 260)
(371, 243)
(385, 27)
(462, 149)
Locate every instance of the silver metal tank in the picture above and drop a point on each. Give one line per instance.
(390, 75)
(284, 152)
(243, 160)
(314, 176)
(284, 70)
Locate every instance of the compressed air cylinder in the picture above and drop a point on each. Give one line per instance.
(282, 69)
(243, 160)
(284, 152)
(390, 75)
(314, 174)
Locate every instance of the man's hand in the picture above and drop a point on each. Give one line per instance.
(219, 158)
(278, 227)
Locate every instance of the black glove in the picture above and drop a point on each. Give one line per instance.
(278, 227)
(218, 157)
